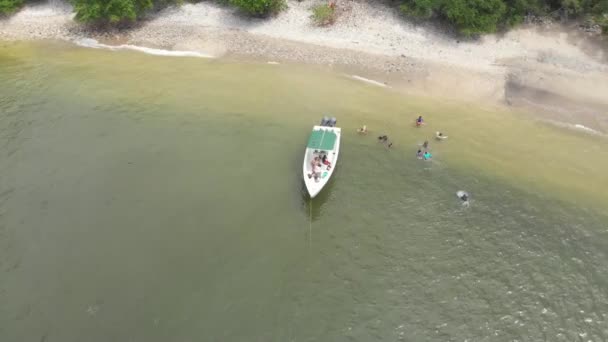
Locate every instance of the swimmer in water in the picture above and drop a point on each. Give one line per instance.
(427, 155)
(384, 140)
(440, 136)
(464, 197)
(419, 154)
(362, 130)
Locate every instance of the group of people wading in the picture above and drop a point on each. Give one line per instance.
(422, 153)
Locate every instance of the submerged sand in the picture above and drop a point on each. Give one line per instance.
(560, 73)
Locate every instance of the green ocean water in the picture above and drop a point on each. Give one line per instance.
(147, 198)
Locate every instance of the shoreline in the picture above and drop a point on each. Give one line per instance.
(554, 72)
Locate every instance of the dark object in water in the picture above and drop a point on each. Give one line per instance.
(384, 139)
(329, 122)
(463, 195)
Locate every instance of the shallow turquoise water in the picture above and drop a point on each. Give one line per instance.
(160, 199)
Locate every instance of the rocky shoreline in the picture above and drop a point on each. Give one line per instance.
(556, 72)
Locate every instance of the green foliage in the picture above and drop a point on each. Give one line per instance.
(518, 9)
(472, 17)
(602, 21)
(260, 8)
(110, 11)
(9, 6)
(423, 9)
(475, 16)
(323, 15)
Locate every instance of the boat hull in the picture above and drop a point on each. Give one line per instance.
(316, 177)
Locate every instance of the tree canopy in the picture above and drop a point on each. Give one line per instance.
(472, 17)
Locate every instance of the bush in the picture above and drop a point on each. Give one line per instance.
(9, 6)
(423, 9)
(323, 15)
(470, 16)
(603, 22)
(110, 11)
(260, 8)
(475, 16)
(517, 10)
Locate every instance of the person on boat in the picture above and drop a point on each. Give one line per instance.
(326, 162)
(419, 154)
(316, 171)
(315, 162)
(362, 130)
(419, 121)
(440, 136)
(427, 155)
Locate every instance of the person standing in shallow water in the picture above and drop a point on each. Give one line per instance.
(426, 144)
(419, 121)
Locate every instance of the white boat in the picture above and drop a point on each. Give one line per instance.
(321, 155)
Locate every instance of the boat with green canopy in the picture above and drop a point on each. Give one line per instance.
(321, 155)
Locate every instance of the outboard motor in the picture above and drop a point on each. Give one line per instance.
(325, 121)
(333, 122)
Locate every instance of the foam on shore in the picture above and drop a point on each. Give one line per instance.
(92, 43)
(367, 80)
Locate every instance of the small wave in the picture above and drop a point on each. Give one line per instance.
(92, 43)
(273, 62)
(576, 127)
(367, 80)
(587, 129)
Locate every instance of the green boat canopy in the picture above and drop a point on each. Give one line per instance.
(322, 140)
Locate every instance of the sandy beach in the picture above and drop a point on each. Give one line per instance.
(560, 73)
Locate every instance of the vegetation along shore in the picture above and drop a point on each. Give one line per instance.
(468, 17)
